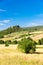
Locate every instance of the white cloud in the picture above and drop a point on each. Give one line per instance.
(6, 21)
(1, 24)
(2, 10)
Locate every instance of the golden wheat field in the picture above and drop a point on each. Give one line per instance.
(12, 56)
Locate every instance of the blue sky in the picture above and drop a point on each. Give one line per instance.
(21, 12)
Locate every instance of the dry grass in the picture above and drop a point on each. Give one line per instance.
(37, 37)
(15, 36)
(11, 56)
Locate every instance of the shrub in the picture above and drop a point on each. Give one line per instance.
(9, 41)
(1, 42)
(29, 38)
(40, 42)
(35, 42)
(1, 36)
(27, 45)
(15, 42)
(6, 43)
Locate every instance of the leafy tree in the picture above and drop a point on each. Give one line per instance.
(27, 45)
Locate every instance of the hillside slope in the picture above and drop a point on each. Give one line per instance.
(18, 29)
(11, 30)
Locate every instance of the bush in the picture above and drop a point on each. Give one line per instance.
(6, 43)
(1, 36)
(15, 42)
(35, 42)
(9, 41)
(40, 42)
(29, 38)
(27, 45)
(1, 42)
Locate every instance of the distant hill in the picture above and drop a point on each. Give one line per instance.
(11, 30)
(18, 29)
(34, 28)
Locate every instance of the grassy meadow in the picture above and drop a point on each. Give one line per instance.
(12, 56)
(23, 34)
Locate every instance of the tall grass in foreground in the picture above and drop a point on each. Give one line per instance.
(20, 60)
(11, 56)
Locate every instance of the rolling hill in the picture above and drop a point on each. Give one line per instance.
(18, 29)
(17, 32)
